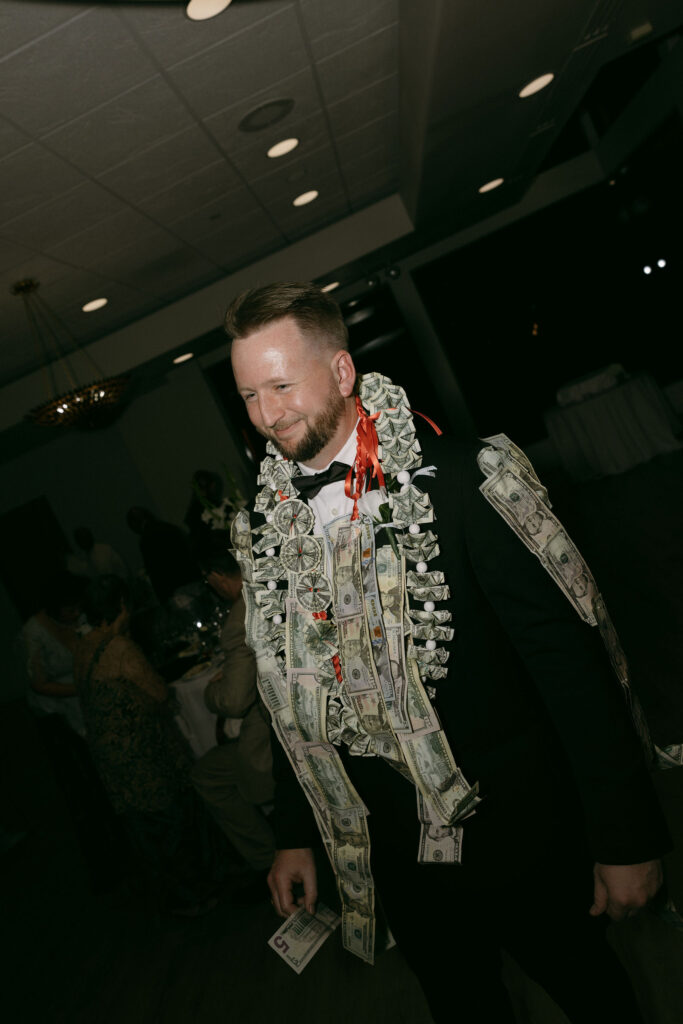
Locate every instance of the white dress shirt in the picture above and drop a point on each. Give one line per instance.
(331, 501)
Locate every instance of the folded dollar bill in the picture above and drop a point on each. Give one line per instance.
(302, 934)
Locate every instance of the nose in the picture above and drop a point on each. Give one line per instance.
(270, 409)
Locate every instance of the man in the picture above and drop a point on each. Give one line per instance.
(527, 706)
(235, 778)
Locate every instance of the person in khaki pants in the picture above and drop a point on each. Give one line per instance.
(235, 778)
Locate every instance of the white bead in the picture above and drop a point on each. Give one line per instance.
(403, 477)
(430, 645)
(270, 552)
(421, 567)
(269, 517)
(277, 619)
(272, 585)
(413, 528)
(429, 606)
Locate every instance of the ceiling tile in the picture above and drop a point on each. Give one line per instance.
(332, 26)
(86, 62)
(360, 65)
(11, 253)
(87, 247)
(375, 142)
(191, 193)
(211, 217)
(237, 68)
(301, 88)
(32, 176)
(20, 23)
(171, 36)
(51, 223)
(115, 131)
(330, 207)
(172, 276)
(254, 163)
(163, 165)
(314, 171)
(11, 138)
(369, 188)
(244, 239)
(378, 100)
(124, 262)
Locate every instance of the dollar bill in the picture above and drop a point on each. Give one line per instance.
(427, 631)
(411, 505)
(390, 581)
(423, 717)
(256, 626)
(326, 768)
(302, 934)
(420, 547)
(373, 610)
(436, 774)
(346, 576)
(372, 713)
(272, 685)
(299, 653)
(358, 933)
(435, 578)
(398, 710)
(309, 704)
(436, 618)
(240, 535)
(358, 668)
(439, 844)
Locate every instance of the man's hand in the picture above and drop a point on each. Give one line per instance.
(289, 868)
(621, 890)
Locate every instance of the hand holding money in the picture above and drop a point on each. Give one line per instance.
(292, 867)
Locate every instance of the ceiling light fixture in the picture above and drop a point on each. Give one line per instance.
(69, 402)
(305, 198)
(202, 10)
(535, 85)
(329, 287)
(647, 270)
(184, 357)
(266, 115)
(282, 148)
(90, 307)
(661, 264)
(490, 185)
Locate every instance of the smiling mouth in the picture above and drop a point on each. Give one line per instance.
(284, 430)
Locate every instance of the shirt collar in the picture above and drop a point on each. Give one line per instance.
(347, 455)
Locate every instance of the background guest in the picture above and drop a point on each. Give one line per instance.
(96, 558)
(235, 778)
(138, 751)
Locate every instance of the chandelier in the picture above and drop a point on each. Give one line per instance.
(87, 406)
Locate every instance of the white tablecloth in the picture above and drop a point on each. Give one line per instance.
(615, 430)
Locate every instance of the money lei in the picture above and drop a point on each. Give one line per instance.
(515, 492)
(338, 660)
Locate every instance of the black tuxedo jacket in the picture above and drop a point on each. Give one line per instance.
(530, 705)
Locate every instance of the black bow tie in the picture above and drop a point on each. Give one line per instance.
(309, 486)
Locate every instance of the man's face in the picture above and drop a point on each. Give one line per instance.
(291, 392)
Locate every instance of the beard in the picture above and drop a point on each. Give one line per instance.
(319, 432)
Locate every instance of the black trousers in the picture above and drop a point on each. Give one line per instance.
(451, 921)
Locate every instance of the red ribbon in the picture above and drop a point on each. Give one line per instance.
(431, 423)
(367, 465)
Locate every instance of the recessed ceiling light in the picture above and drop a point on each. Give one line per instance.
(184, 357)
(266, 115)
(305, 198)
(535, 85)
(202, 10)
(647, 270)
(330, 287)
(90, 307)
(282, 148)
(490, 185)
(661, 264)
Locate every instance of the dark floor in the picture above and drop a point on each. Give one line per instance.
(77, 957)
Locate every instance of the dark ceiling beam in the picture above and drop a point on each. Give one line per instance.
(657, 99)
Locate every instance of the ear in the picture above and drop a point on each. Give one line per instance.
(344, 372)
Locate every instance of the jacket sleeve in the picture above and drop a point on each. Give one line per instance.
(234, 692)
(567, 663)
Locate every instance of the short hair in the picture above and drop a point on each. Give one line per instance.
(316, 314)
(103, 598)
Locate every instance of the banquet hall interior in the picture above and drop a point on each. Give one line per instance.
(493, 199)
